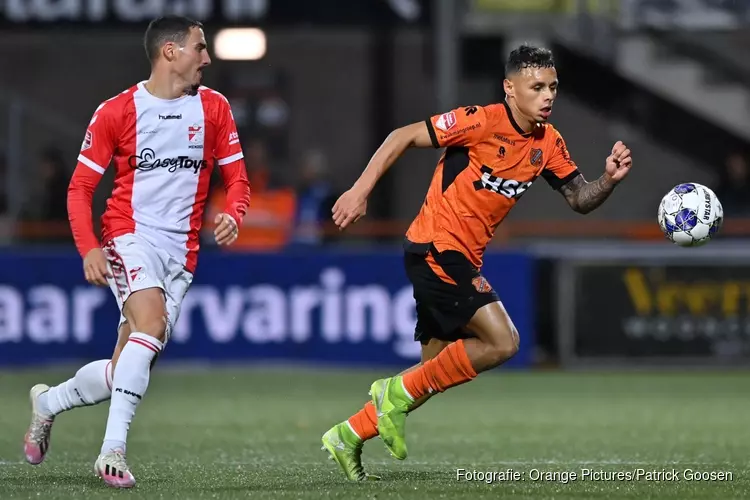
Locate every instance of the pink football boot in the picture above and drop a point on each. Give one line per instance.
(36, 441)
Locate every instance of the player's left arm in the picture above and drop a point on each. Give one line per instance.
(231, 163)
(582, 196)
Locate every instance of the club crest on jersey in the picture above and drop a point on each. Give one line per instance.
(195, 137)
(481, 284)
(446, 121)
(136, 276)
(536, 157)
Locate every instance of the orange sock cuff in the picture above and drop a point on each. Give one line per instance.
(449, 368)
(372, 415)
(364, 422)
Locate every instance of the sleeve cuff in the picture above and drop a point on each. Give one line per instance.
(234, 215)
(431, 131)
(230, 159)
(555, 182)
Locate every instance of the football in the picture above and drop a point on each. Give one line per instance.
(690, 215)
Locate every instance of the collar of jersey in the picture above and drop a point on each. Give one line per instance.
(142, 86)
(512, 120)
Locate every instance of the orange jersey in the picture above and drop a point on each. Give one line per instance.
(489, 162)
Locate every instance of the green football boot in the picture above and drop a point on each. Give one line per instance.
(345, 448)
(391, 405)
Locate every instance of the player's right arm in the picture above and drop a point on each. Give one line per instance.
(96, 152)
(459, 127)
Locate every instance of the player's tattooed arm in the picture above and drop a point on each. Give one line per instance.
(583, 197)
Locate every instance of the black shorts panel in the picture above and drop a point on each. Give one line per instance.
(444, 309)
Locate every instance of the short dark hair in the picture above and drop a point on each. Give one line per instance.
(528, 56)
(167, 29)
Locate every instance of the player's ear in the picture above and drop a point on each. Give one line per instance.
(169, 50)
(508, 87)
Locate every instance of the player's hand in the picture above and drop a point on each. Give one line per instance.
(95, 267)
(349, 208)
(619, 162)
(226, 231)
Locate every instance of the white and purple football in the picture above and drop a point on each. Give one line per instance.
(690, 215)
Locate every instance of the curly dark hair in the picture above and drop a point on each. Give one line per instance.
(528, 56)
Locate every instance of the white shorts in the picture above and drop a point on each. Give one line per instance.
(137, 264)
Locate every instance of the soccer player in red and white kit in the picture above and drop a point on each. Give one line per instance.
(164, 135)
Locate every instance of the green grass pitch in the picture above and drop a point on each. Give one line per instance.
(255, 433)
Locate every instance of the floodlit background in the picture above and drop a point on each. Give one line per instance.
(315, 88)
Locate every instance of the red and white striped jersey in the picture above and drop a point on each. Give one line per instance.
(163, 152)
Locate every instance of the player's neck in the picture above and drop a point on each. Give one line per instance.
(164, 86)
(526, 124)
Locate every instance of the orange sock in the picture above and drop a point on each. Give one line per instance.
(365, 422)
(449, 368)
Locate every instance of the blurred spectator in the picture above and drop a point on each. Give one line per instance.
(733, 189)
(257, 163)
(315, 199)
(6, 224)
(269, 220)
(47, 201)
(4, 204)
(54, 183)
(47, 197)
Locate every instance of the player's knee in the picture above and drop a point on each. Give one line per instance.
(433, 348)
(154, 326)
(504, 346)
(145, 312)
(502, 353)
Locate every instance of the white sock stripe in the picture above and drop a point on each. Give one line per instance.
(157, 345)
(147, 345)
(405, 391)
(352, 428)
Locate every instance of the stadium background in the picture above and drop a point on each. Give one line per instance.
(328, 81)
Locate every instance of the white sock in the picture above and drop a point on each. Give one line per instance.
(91, 385)
(128, 387)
